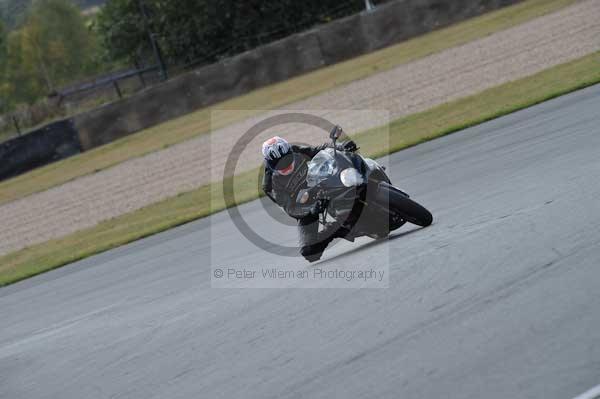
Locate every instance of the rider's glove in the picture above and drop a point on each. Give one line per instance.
(349, 146)
(319, 207)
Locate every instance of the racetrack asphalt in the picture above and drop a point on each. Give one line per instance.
(499, 298)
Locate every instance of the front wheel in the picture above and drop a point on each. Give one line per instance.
(397, 202)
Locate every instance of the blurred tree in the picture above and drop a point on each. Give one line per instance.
(3, 61)
(2, 46)
(12, 11)
(122, 30)
(21, 85)
(57, 41)
(52, 48)
(205, 30)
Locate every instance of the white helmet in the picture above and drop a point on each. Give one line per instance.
(275, 148)
(278, 155)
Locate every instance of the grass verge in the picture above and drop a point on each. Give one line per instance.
(196, 123)
(208, 199)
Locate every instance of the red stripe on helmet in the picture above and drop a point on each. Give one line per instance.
(288, 170)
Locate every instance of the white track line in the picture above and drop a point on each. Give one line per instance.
(591, 394)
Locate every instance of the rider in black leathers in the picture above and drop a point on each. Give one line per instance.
(285, 175)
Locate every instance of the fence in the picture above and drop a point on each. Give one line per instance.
(77, 98)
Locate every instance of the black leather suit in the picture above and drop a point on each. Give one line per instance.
(283, 190)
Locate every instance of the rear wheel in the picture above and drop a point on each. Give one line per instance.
(398, 203)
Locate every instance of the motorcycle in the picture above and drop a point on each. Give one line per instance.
(356, 194)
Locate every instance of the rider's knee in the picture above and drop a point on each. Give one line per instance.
(311, 252)
(307, 250)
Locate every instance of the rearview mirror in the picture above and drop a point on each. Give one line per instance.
(335, 133)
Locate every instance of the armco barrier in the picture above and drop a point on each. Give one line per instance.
(48, 144)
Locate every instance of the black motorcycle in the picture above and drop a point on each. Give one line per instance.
(356, 194)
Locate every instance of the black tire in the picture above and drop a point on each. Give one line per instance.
(399, 203)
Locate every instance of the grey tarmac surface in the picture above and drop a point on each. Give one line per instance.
(499, 298)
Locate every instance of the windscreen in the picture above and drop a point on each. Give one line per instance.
(321, 167)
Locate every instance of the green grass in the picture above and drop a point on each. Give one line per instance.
(196, 123)
(208, 199)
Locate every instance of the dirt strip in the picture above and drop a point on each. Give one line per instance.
(458, 72)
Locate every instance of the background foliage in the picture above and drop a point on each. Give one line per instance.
(201, 31)
(52, 46)
(13, 11)
(47, 44)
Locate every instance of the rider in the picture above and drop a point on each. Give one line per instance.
(285, 175)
